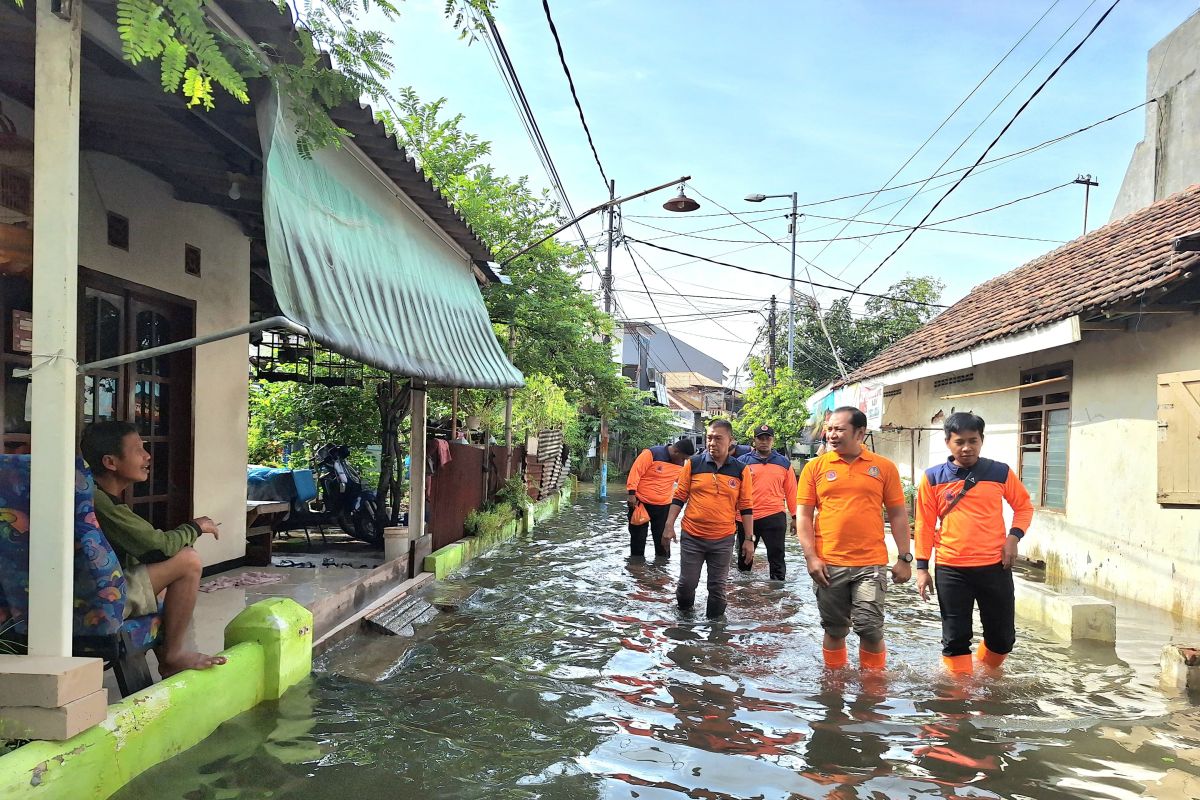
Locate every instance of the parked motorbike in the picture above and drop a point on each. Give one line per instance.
(341, 500)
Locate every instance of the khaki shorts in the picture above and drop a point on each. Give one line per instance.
(854, 597)
(139, 592)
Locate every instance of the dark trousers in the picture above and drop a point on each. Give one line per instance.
(958, 590)
(714, 556)
(656, 526)
(772, 531)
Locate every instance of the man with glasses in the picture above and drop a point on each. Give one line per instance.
(714, 489)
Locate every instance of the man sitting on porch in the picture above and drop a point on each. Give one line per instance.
(152, 560)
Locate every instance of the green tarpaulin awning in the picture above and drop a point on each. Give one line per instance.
(368, 276)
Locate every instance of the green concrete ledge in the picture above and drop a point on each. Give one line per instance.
(444, 561)
(449, 558)
(269, 649)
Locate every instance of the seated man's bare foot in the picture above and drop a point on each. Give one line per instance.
(168, 666)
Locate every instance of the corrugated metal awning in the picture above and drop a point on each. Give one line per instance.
(366, 273)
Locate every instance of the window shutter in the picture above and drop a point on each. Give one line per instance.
(1179, 438)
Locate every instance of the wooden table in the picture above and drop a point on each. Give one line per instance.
(260, 514)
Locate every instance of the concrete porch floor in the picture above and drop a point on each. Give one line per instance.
(307, 578)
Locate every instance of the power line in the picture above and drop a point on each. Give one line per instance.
(992, 161)
(562, 59)
(512, 83)
(634, 254)
(784, 277)
(674, 344)
(938, 129)
(986, 117)
(988, 149)
(849, 237)
(769, 239)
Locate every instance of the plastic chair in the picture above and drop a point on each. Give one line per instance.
(99, 628)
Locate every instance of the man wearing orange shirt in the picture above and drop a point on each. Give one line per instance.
(848, 487)
(714, 489)
(651, 483)
(960, 516)
(774, 489)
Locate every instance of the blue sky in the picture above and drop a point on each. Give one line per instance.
(820, 98)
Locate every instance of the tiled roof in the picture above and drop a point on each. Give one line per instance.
(1110, 265)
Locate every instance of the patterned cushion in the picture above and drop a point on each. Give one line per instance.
(99, 582)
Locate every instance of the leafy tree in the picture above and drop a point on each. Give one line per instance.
(638, 423)
(298, 417)
(541, 405)
(780, 405)
(859, 337)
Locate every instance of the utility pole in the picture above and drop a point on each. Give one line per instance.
(607, 287)
(1088, 182)
(792, 292)
(771, 342)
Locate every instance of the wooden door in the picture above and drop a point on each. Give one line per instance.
(155, 394)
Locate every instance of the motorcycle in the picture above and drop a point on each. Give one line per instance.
(341, 498)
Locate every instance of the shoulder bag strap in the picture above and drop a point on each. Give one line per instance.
(968, 483)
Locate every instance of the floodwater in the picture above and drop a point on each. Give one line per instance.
(571, 674)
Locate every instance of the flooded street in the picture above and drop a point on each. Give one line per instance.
(571, 674)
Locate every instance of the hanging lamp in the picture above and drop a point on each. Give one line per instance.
(682, 203)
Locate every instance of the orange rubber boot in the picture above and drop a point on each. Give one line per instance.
(834, 659)
(988, 658)
(959, 665)
(869, 660)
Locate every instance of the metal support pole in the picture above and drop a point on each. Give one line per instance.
(454, 416)
(612, 194)
(1088, 182)
(771, 342)
(508, 407)
(55, 312)
(792, 292)
(416, 488)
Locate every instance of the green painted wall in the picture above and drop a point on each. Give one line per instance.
(269, 649)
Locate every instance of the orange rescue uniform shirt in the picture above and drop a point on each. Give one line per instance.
(774, 484)
(713, 497)
(652, 476)
(850, 498)
(972, 534)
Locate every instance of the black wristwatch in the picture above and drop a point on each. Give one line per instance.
(906, 558)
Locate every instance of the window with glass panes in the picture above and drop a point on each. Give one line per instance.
(1044, 427)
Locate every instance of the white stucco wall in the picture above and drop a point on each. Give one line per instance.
(159, 226)
(1113, 534)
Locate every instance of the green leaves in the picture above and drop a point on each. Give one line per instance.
(177, 33)
(782, 406)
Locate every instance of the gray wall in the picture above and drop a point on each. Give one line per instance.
(1167, 160)
(662, 355)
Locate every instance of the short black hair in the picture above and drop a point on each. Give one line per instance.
(102, 439)
(963, 422)
(686, 447)
(723, 423)
(858, 420)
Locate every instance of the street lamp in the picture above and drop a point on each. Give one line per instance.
(758, 198)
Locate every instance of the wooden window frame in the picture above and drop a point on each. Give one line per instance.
(1178, 423)
(1036, 375)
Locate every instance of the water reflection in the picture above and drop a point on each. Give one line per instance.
(571, 674)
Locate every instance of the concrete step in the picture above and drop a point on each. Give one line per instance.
(401, 617)
(368, 658)
(450, 598)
